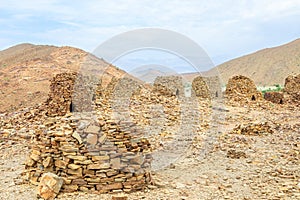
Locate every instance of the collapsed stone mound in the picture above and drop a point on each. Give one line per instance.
(89, 150)
(241, 88)
(292, 88)
(255, 129)
(157, 103)
(274, 97)
(172, 83)
(163, 90)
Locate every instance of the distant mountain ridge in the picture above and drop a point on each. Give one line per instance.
(148, 73)
(266, 67)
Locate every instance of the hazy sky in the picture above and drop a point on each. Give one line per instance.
(225, 29)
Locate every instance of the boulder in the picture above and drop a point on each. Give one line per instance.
(49, 186)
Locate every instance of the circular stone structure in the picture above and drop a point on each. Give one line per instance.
(241, 88)
(89, 150)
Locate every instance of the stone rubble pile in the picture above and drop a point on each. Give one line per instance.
(232, 153)
(144, 101)
(242, 89)
(274, 97)
(254, 129)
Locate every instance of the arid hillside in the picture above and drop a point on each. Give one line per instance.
(266, 67)
(25, 71)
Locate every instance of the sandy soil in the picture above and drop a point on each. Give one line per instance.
(269, 170)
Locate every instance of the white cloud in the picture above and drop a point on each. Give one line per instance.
(225, 28)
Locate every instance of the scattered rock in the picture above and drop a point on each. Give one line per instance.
(236, 154)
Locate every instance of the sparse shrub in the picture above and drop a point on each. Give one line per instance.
(277, 89)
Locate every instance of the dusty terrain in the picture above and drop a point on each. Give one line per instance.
(220, 149)
(267, 169)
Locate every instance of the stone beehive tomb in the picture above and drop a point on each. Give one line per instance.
(292, 87)
(70, 92)
(207, 87)
(241, 88)
(60, 96)
(214, 86)
(275, 97)
(90, 151)
(200, 88)
(172, 83)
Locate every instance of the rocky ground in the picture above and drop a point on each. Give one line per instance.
(249, 162)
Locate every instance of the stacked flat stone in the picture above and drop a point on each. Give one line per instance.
(145, 101)
(292, 88)
(90, 150)
(275, 97)
(242, 89)
(173, 83)
(200, 88)
(60, 96)
(214, 86)
(163, 90)
(90, 155)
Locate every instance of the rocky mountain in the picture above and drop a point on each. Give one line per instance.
(266, 67)
(148, 73)
(25, 71)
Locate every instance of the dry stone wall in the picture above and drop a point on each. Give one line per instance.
(60, 96)
(71, 92)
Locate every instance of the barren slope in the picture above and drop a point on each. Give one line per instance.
(266, 67)
(25, 71)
